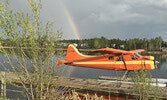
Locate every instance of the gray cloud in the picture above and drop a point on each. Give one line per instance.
(129, 18)
(110, 18)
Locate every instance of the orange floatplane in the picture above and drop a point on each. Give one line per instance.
(111, 59)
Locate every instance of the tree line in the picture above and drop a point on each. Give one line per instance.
(153, 44)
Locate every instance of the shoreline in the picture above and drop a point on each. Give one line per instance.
(155, 52)
(90, 50)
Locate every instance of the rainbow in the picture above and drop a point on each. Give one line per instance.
(70, 20)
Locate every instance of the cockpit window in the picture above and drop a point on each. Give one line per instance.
(132, 57)
(138, 55)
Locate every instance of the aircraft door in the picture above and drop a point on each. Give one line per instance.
(120, 62)
(112, 61)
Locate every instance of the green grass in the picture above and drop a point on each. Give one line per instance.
(1, 98)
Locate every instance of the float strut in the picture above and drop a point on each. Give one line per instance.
(126, 72)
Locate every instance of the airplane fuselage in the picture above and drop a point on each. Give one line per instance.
(113, 62)
(119, 60)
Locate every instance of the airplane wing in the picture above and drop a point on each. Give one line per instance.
(111, 51)
(138, 51)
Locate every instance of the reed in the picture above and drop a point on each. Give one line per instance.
(143, 86)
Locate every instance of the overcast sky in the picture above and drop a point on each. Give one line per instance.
(122, 19)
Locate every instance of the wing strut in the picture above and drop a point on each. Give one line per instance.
(126, 72)
(124, 62)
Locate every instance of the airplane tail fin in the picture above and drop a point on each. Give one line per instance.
(73, 53)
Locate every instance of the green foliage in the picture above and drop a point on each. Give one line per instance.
(96, 43)
(143, 86)
(34, 43)
(154, 44)
(140, 84)
(4, 98)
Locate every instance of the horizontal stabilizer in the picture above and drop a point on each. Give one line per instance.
(60, 62)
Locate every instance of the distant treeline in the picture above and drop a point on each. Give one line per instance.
(153, 44)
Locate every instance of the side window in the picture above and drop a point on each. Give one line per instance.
(111, 58)
(119, 58)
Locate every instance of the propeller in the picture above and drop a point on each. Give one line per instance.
(156, 63)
